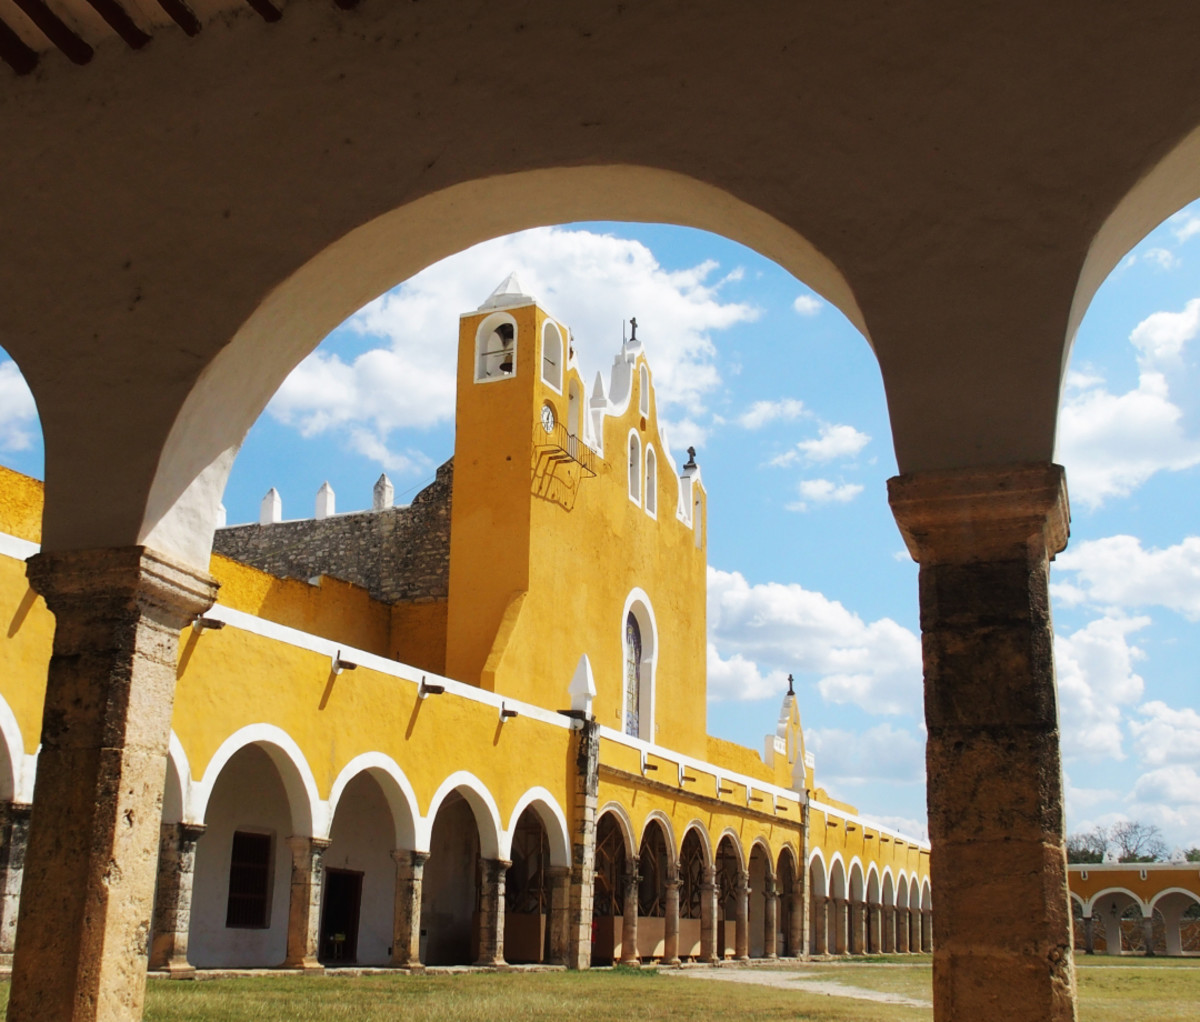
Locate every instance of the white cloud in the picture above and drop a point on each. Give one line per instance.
(1163, 258)
(407, 378)
(1160, 337)
(1112, 443)
(835, 441)
(1166, 736)
(823, 491)
(762, 412)
(18, 412)
(881, 753)
(1188, 229)
(737, 678)
(782, 629)
(1096, 681)
(807, 305)
(1117, 572)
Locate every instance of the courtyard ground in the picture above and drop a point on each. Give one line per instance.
(1132, 989)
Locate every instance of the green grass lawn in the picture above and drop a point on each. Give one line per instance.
(1131, 989)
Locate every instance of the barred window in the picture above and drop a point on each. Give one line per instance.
(249, 882)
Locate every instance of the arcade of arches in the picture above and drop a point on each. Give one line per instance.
(196, 193)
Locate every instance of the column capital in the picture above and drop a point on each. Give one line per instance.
(109, 579)
(985, 513)
(558, 872)
(409, 857)
(192, 832)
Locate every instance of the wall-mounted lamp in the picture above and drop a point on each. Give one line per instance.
(507, 713)
(201, 623)
(340, 665)
(426, 689)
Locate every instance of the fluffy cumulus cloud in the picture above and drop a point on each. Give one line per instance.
(761, 413)
(406, 376)
(881, 753)
(767, 631)
(18, 413)
(1166, 736)
(1118, 572)
(823, 491)
(1096, 683)
(807, 305)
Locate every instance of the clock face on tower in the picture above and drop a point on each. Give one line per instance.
(547, 418)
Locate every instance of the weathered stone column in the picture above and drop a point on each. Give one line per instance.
(902, 931)
(875, 929)
(406, 908)
(629, 920)
(1089, 935)
(927, 930)
(88, 888)
(304, 905)
(560, 914)
(708, 918)
(491, 911)
(889, 930)
(820, 925)
(741, 927)
(771, 920)
(671, 923)
(838, 931)
(983, 538)
(798, 938)
(858, 926)
(173, 901)
(583, 845)
(14, 838)
(1148, 935)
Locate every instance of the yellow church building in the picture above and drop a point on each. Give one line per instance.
(472, 729)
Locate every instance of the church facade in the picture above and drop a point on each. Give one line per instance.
(472, 730)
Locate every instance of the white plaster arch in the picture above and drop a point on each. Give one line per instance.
(177, 804)
(658, 817)
(483, 806)
(902, 891)
(1172, 890)
(638, 604)
(926, 894)
(650, 480)
(701, 831)
(542, 802)
(12, 780)
(838, 872)
(874, 887)
(820, 882)
(624, 824)
(1094, 900)
(553, 341)
(397, 791)
(1078, 900)
(761, 844)
(914, 891)
(855, 872)
(789, 850)
(310, 817)
(736, 841)
(888, 893)
(481, 373)
(633, 449)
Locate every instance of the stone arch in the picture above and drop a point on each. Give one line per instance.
(837, 941)
(761, 875)
(696, 828)
(1108, 892)
(615, 852)
(176, 791)
(729, 866)
(790, 885)
(542, 802)
(1170, 907)
(874, 887)
(325, 286)
(889, 887)
(12, 757)
(730, 837)
(694, 861)
(483, 808)
(396, 787)
(308, 813)
(658, 817)
(656, 865)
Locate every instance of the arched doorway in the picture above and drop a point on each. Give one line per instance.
(818, 904)
(786, 943)
(693, 868)
(654, 870)
(761, 880)
(608, 897)
(728, 881)
(450, 889)
(527, 892)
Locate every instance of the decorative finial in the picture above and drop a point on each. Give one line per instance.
(632, 329)
(691, 462)
(791, 689)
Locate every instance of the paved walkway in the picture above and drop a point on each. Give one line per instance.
(792, 980)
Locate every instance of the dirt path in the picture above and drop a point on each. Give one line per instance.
(794, 980)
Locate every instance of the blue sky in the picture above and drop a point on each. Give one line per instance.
(783, 398)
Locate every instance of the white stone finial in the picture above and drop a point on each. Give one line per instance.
(325, 500)
(384, 493)
(222, 516)
(271, 509)
(583, 686)
(508, 292)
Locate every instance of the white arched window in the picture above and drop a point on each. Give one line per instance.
(651, 498)
(552, 356)
(644, 390)
(496, 348)
(635, 468)
(639, 644)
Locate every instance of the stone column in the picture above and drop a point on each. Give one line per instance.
(173, 901)
(875, 929)
(1148, 935)
(927, 930)
(629, 921)
(304, 905)
(820, 925)
(983, 538)
(406, 908)
(798, 938)
(771, 920)
(14, 838)
(708, 918)
(560, 914)
(741, 928)
(88, 889)
(583, 845)
(889, 930)
(902, 931)
(838, 931)
(1089, 935)
(671, 923)
(858, 925)
(491, 912)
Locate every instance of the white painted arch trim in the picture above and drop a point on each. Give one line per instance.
(1173, 890)
(791, 852)
(734, 840)
(397, 790)
(657, 816)
(183, 771)
(887, 885)
(873, 875)
(557, 831)
(701, 832)
(624, 823)
(310, 815)
(819, 884)
(20, 782)
(638, 604)
(837, 868)
(1089, 906)
(487, 813)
